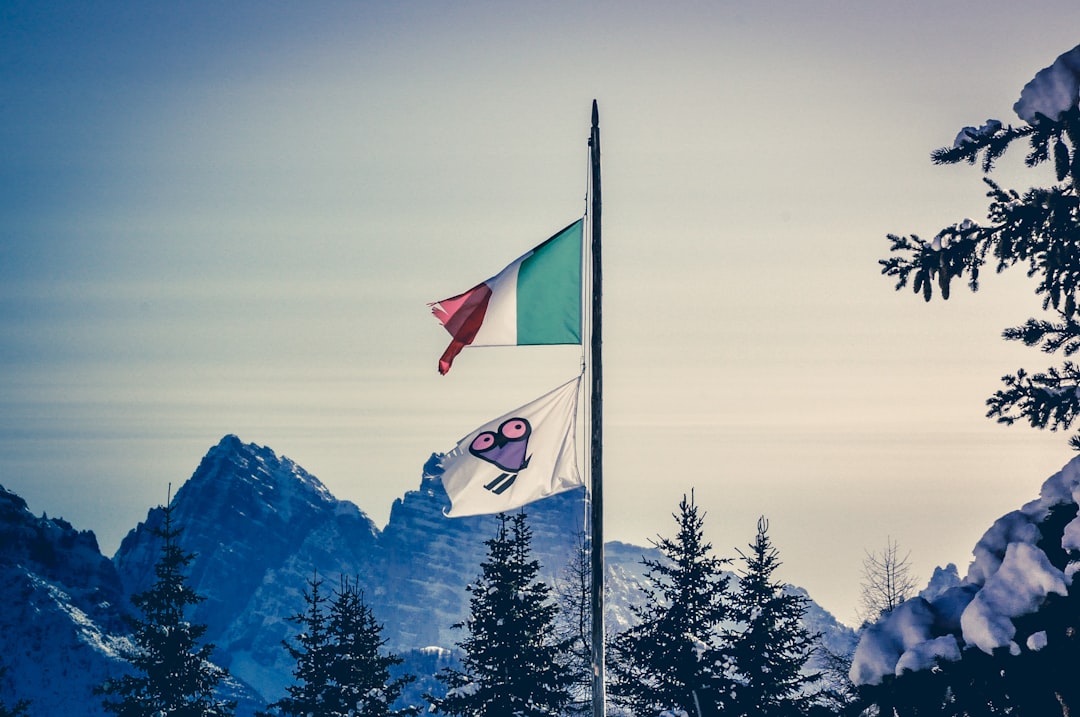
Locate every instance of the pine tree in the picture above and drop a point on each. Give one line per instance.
(678, 656)
(308, 695)
(339, 667)
(773, 647)
(173, 675)
(512, 663)
(1039, 228)
(359, 672)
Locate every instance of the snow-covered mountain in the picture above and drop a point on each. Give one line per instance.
(62, 627)
(59, 625)
(261, 527)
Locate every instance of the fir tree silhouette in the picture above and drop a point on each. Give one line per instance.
(172, 673)
(513, 661)
(679, 656)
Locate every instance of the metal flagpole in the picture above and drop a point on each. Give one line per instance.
(596, 451)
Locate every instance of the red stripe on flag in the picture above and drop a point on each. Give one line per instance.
(462, 316)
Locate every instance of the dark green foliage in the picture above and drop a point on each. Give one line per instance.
(1039, 229)
(772, 647)
(513, 660)
(679, 656)
(340, 669)
(172, 673)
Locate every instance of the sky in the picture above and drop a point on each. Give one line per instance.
(228, 218)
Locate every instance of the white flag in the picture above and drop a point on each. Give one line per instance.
(522, 456)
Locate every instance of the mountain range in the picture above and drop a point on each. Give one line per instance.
(261, 527)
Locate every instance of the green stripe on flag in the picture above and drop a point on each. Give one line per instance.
(549, 291)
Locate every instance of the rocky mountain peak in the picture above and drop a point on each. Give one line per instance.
(62, 600)
(237, 476)
(55, 551)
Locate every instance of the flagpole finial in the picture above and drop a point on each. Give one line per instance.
(595, 115)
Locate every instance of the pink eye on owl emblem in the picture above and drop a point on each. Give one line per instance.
(514, 429)
(483, 442)
(506, 448)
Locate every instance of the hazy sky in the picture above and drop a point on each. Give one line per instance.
(228, 218)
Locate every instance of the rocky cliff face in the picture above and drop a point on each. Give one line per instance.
(260, 526)
(426, 559)
(60, 625)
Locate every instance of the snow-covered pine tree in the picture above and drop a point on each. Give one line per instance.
(513, 663)
(679, 656)
(772, 648)
(1036, 677)
(359, 672)
(308, 694)
(1039, 228)
(173, 675)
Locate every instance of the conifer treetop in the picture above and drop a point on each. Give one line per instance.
(1038, 229)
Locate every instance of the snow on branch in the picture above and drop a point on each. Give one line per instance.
(1053, 91)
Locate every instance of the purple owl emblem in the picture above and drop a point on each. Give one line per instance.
(505, 448)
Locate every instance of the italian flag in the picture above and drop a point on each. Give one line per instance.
(535, 300)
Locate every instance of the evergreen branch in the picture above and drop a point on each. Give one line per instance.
(956, 250)
(1046, 400)
(1049, 337)
(992, 138)
(1043, 134)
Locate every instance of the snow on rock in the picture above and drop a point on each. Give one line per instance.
(944, 578)
(1018, 588)
(1010, 576)
(1053, 91)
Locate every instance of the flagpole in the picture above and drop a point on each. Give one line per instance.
(596, 447)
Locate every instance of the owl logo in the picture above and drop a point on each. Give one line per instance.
(506, 449)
